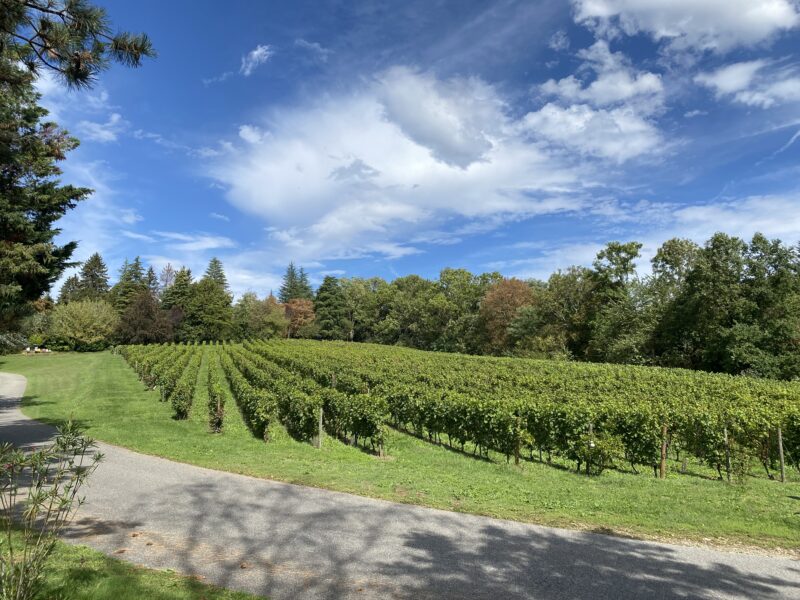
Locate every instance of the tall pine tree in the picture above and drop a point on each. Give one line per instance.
(215, 272)
(31, 196)
(177, 294)
(93, 279)
(131, 282)
(295, 285)
(70, 289)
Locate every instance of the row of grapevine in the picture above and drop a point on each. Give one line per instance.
(172, 368)
(217, 393)
(587, 413)
(257, 406)
(300, 402)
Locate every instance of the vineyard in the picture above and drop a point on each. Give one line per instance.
(594, 416)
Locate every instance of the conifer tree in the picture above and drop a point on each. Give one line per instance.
(208, 313)
(331, 310)
(151, 280)
(32, 198)
(304, 290)
(215, 272)
(177, 294)
(131, 282)
(288, 287)
(70, 37)
(93, 279)
(70, 290)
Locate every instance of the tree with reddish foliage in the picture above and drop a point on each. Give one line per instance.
(300, 313)
(498, 309)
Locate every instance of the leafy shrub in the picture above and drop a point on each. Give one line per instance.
(46, 485)
(85, 325)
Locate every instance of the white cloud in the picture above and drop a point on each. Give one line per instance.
(691, 114)
(255, 58)
(251, 134)
(219, 78)
(362, 174)
(618, 134)
(103, 132)
(731, 78)
(219, 216)
(453, 118)
(559, 41)
(139, 237)
(616, 81)
(754, 83)
(194, 242)
(716, 25)
(315, 48)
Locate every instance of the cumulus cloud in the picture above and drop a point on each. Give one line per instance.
(361, 174)
(255, 58)
(618, 134)
(615, 81)
(715, 25)
(455, 118)
(754, 83)
(251, 134)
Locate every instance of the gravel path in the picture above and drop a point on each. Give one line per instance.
(288, 541)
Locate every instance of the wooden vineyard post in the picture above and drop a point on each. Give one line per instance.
(662, 468)
(590, 447)
(517, 442)
(780, 455)
(727, 452)
(318, 437)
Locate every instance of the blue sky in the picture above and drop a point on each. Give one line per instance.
(387, 138)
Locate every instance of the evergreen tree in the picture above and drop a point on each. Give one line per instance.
(288, 288)
(131, 282)
(93, 279)
(31, 196)
(177, 294)
(208, 314)
(70, 290)
(331, 310)
(215, 272)
(304, 290)
(151, 280)
(66, 36)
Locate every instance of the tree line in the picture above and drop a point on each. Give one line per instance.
(728, 306)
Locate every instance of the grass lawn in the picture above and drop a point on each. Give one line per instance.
(103, 394)
(80, 573)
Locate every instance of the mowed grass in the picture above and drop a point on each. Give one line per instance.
(79, 573)
(104, 395)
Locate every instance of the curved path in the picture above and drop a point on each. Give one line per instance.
(288, 541)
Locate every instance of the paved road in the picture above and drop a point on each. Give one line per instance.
(289, 541)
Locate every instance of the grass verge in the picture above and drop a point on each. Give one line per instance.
(103, 394)
(79, 573)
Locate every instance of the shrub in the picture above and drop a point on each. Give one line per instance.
(46, 483)
(85, 325)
